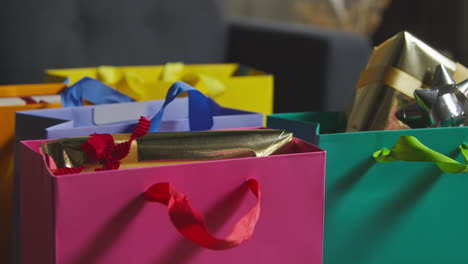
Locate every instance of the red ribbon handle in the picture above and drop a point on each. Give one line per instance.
(191, 223)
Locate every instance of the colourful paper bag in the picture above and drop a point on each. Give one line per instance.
(104, 216)
(195, 112)
(396, 212)
(231, 85)
(12, 93)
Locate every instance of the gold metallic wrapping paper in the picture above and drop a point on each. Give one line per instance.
(396, 68)
(178, 147)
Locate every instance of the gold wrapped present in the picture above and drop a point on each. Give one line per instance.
(157, 149)
(395, 70)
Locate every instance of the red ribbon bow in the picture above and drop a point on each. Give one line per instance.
(102, 148)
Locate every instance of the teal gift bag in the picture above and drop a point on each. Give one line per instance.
(391, 196)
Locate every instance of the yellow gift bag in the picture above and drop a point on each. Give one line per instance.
(16, 98)
(231, 85)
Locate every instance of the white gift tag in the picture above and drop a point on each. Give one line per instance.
(8, 101)
(47, 98)
(115, 113)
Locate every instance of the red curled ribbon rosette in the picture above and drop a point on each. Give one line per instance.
(102, 148)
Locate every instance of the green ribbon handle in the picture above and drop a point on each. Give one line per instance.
(409, 148)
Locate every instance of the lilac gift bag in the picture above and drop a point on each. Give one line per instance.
(195, 112)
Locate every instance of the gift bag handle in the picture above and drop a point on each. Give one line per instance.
(93, 91)
(191, 223)
(96, 92)
(409, 148)
(200, 108)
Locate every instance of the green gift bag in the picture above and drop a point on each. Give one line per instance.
(391, 196)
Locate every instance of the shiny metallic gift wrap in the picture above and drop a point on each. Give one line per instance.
(395, 70)
(177, 147)
(445, 104)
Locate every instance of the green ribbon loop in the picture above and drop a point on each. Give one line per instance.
(409, 148)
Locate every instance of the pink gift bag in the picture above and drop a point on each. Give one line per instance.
(147, 215)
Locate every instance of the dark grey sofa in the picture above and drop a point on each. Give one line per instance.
(314, 69)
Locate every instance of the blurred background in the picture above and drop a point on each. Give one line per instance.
(442, 24)
(314, 48)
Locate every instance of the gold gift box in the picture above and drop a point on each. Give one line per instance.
(396, 68)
